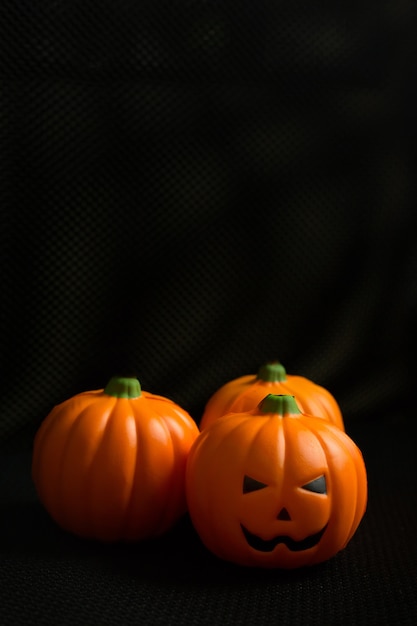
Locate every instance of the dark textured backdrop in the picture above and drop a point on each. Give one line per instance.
(190, 188)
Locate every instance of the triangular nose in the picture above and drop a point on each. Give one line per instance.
(284, 515)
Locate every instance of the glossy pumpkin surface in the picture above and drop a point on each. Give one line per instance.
(245, 393)
(274, 487)
(110, 464)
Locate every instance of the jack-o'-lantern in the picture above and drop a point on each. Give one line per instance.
(274, 487)
(245, 393)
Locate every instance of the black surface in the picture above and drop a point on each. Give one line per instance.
(189, 189)
(49, 576)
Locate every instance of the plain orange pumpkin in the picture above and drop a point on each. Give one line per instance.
(245, 393)
(110, 464)
(274, 487)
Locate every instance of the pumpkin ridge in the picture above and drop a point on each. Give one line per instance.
(297, 388)
(136, 470)
(167, 507)
(322, 432)
(262, 425)
(283, 439)
(174, 408)
(57, 502)
(127, 408)
(357, 460)
(59, 496)
(243, 395)
(86, 483)
(212, 453)
(320, 399)
(48, 427)
(125, 518)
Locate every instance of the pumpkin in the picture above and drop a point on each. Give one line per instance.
(109, 464)
(274, 487)
(245, 393)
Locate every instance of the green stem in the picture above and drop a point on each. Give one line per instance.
(279, 405)
(123, 387)
(272, 373)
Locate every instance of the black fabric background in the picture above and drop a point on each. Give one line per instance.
(188, 189)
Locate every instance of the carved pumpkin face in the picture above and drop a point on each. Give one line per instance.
(274, 487)
(245, 393)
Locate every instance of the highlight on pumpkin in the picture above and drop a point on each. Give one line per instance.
(245, 392)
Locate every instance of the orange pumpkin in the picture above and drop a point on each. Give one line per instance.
(110, 464)
(245, 393)
(274, 487)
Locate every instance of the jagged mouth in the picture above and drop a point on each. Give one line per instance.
(267, 545)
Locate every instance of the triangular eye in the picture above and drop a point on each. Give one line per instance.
(250, 484)
(316, 486)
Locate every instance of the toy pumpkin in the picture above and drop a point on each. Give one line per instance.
(245, 393)
(274, 487)
(110, 464)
